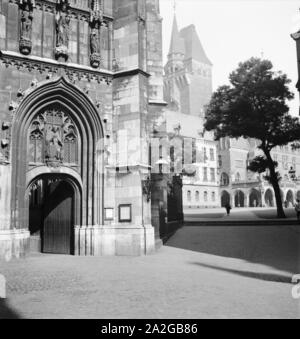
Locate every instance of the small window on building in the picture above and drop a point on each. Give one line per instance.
(212, 175)
(189, 196)
(194, 151)
(205, 155)
(212, 154)
(205, 196)
(220, 161)
(223, 143)
(238, 177)
(205, 174)
(224, 179)
(197, 196)
(213, 196)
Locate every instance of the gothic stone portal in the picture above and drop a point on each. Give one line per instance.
(56, 187)
(52, 140)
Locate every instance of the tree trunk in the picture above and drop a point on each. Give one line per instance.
(276, 187)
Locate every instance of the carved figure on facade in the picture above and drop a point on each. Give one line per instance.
(62, 20)
(53, 139)
(54, 145)
(5, 142)
(96, 20)
(25, 43)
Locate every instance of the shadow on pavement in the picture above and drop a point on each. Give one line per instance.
(285, 279)
(6, 312)
(273, 246)
(272, 214)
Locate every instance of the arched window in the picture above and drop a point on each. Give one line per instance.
(213, 196)
(224, 179)
(205, 196)
(197, 196)
(189, 196)
(238, 177)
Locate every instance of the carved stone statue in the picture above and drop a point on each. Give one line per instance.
(53, 139)
(54, 145)
(95, 46)
(26, 7)
(62, 20)
(96, 19)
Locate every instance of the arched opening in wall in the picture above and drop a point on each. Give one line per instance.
(189, 196)
(197, 197)
(225, 198)
(289, 199)
(254, 198)
(269, 198)
(239, 199)
(54, 205)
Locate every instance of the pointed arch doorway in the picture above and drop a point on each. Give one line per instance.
(58, 140)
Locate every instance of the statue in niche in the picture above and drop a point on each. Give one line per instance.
(26, 7)
(54, 145)
(95, 46)
(62, 20)
(96, 19)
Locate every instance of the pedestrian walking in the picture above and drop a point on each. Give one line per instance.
(297, 209)
(228, 209)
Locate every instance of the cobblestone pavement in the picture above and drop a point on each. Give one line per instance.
(194, 276)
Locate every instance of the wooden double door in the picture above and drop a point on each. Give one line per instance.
(54, 212)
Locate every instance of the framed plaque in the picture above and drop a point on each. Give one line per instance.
(109, 214)
(125, 213)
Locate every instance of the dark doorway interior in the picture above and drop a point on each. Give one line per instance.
(269, 198)
(51, 216)
(239, 199)
(254, 199)
(225, 199)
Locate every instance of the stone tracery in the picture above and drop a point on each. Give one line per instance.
(53, 139)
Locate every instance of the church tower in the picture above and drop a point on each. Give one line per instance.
(188, 72)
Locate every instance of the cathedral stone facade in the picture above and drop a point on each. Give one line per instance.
(80, 84)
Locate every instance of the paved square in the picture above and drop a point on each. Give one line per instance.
(203, 272)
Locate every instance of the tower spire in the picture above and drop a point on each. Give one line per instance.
(176, 45)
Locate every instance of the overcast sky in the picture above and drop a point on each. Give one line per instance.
(235, 30)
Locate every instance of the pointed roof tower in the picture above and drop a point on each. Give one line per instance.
(177, 43)
(193, 47)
